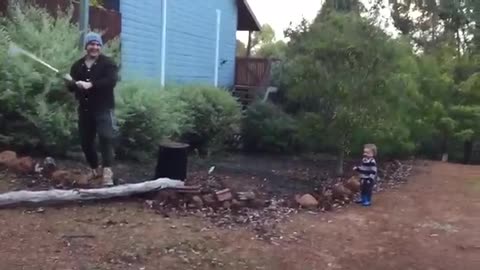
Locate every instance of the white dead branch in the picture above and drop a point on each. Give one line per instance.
(58, 195)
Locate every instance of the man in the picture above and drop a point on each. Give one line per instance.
(93, 78)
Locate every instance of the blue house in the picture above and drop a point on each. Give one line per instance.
(183, 41)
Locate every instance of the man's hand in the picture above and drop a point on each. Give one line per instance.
(79, 84)
(67, 77)
(87, 85)
(84, 85)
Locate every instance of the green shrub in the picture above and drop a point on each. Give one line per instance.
(214, 116)
(35, 108)
(146, 115)
(267, 128)
(392, 141)
(311, 135)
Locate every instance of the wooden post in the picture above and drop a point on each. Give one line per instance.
(172, 161)
(249, 44)
(83, 20)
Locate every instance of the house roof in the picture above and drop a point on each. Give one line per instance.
(246, 18)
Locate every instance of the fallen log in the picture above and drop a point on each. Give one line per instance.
(58, 195)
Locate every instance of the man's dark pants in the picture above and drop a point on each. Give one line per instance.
(103, 124)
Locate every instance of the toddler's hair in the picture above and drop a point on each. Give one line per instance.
(372, 147)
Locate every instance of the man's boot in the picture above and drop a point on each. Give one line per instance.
(94, 174)
(108, 177)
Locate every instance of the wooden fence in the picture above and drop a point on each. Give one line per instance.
(252, 72)
(252, 77)
(107, 21)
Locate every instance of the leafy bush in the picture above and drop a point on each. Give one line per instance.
(311, 134)
(203, 116)
(267, 128)
(214, 116)
(35, 108)
(146, 115)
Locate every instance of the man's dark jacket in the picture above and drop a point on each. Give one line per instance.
(103, 75)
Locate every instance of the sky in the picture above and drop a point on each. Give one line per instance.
(279, 14)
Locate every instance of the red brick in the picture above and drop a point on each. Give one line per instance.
(224, 195)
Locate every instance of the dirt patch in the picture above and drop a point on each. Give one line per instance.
(430, 223)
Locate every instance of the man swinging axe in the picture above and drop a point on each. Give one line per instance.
(94, 77)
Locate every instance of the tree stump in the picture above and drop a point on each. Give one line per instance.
(172, 161)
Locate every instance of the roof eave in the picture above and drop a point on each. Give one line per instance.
(247, 21)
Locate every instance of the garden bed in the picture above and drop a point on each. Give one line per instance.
(274, 181)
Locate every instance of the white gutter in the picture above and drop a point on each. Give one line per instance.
(164, 42)
(217, 47)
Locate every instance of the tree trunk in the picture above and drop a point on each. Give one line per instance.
(467, 151)
(58, 195)
(444, 149)
(172, 161)
(459, 43)
(249, 44)
(340, 161)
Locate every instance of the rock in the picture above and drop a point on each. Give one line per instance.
(60, 178)
(197, 201)
(64, 178)
(224, 195)
(326, 201)
(238, 204)
(208, 199)
(306, 201)
(80, 179)
(7, 157)
(353, 184)
(227, 205)
(24, 165)
(257, 203)
(48, 166)
(341, 193)
(246, 196)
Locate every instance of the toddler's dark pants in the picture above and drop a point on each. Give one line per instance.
(367, 188)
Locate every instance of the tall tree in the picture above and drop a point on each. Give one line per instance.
(272, 50)
(341, 6)
(241, 49)
(342, 69)
(265, 36)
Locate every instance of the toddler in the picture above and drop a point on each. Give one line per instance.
(368, 174)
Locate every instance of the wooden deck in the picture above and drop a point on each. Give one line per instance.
(107, 21)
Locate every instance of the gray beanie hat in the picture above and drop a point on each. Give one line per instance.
(93, 37)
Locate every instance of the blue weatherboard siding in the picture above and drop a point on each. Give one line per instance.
(190, 43)
(141, 38)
